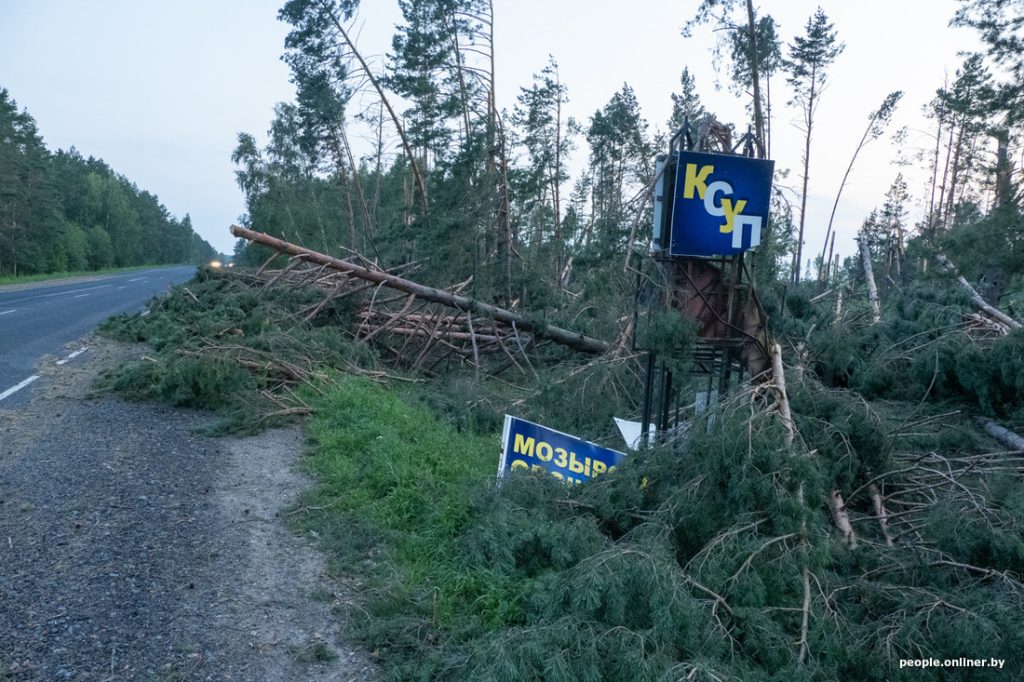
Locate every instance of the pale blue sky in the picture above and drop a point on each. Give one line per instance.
(160, 90)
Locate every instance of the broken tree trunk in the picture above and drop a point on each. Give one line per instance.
(842, 517)
(880, 513)
(869, 275)
(976, 300)
(565, 337)
(779, 378)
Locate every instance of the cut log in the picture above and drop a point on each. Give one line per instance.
(1003, 435)
(574, 340)
(976, 300)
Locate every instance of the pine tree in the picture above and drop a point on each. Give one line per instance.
(967, 106)
(686, 104)
(807, 64)
(747, 33)
(1000, 24)
(30, 216)
(767, 60)
(548, 138)
(620, 154)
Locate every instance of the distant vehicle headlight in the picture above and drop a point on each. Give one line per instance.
(215, 264)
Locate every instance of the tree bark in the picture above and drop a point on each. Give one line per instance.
(842, 517)
(1001, 434)
(779, 379)
(809, 120)
(869, 275)
(565, 337)
(1004, 169)
(880, 512)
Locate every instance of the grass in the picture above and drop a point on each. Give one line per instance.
(394, 477)
(46, 277)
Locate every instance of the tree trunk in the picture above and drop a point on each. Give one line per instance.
(556, 181)
(755, 78)
(1004, 436)
(933, 218)
(954, 176)
(1004, 170)
(809, 120)
(565, 337)
(869, 275)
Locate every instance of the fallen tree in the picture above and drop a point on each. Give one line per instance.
(1004, 321)
(574, 340)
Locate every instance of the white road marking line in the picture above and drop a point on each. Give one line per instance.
(59, 293)
(14, 389)
(8, 312)
(81, 296)
(138, 279)
(72, 356)
(62, 293)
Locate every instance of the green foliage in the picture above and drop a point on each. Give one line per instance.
(671, 336)
(687, 559)
(60, 212)
(922, 340)
(206, 383)
(223, 346)
(809, 57)
(844, 432)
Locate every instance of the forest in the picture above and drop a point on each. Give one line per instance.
(850, 509)
(60, 212)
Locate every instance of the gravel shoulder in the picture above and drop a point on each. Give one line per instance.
(132, 548)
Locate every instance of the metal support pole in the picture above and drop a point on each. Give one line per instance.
(645, 424)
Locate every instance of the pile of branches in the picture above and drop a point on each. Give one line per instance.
(414, 334)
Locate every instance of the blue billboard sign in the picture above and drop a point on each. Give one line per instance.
(526, 446)
(720, 204)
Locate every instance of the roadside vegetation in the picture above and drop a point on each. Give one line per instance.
(690, 557)
(56, 276)
(859, 507)
(63, 213)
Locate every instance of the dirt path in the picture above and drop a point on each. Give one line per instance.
(132, 548)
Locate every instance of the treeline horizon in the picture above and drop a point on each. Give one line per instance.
(61, 212)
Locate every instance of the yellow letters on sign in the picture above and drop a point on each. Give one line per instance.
(523, 445)
(731, 212)
(696, 180)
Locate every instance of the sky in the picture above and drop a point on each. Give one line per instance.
(160, 90)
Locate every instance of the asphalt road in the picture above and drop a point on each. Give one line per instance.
(44, 318)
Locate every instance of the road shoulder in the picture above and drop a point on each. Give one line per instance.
(133, 548)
